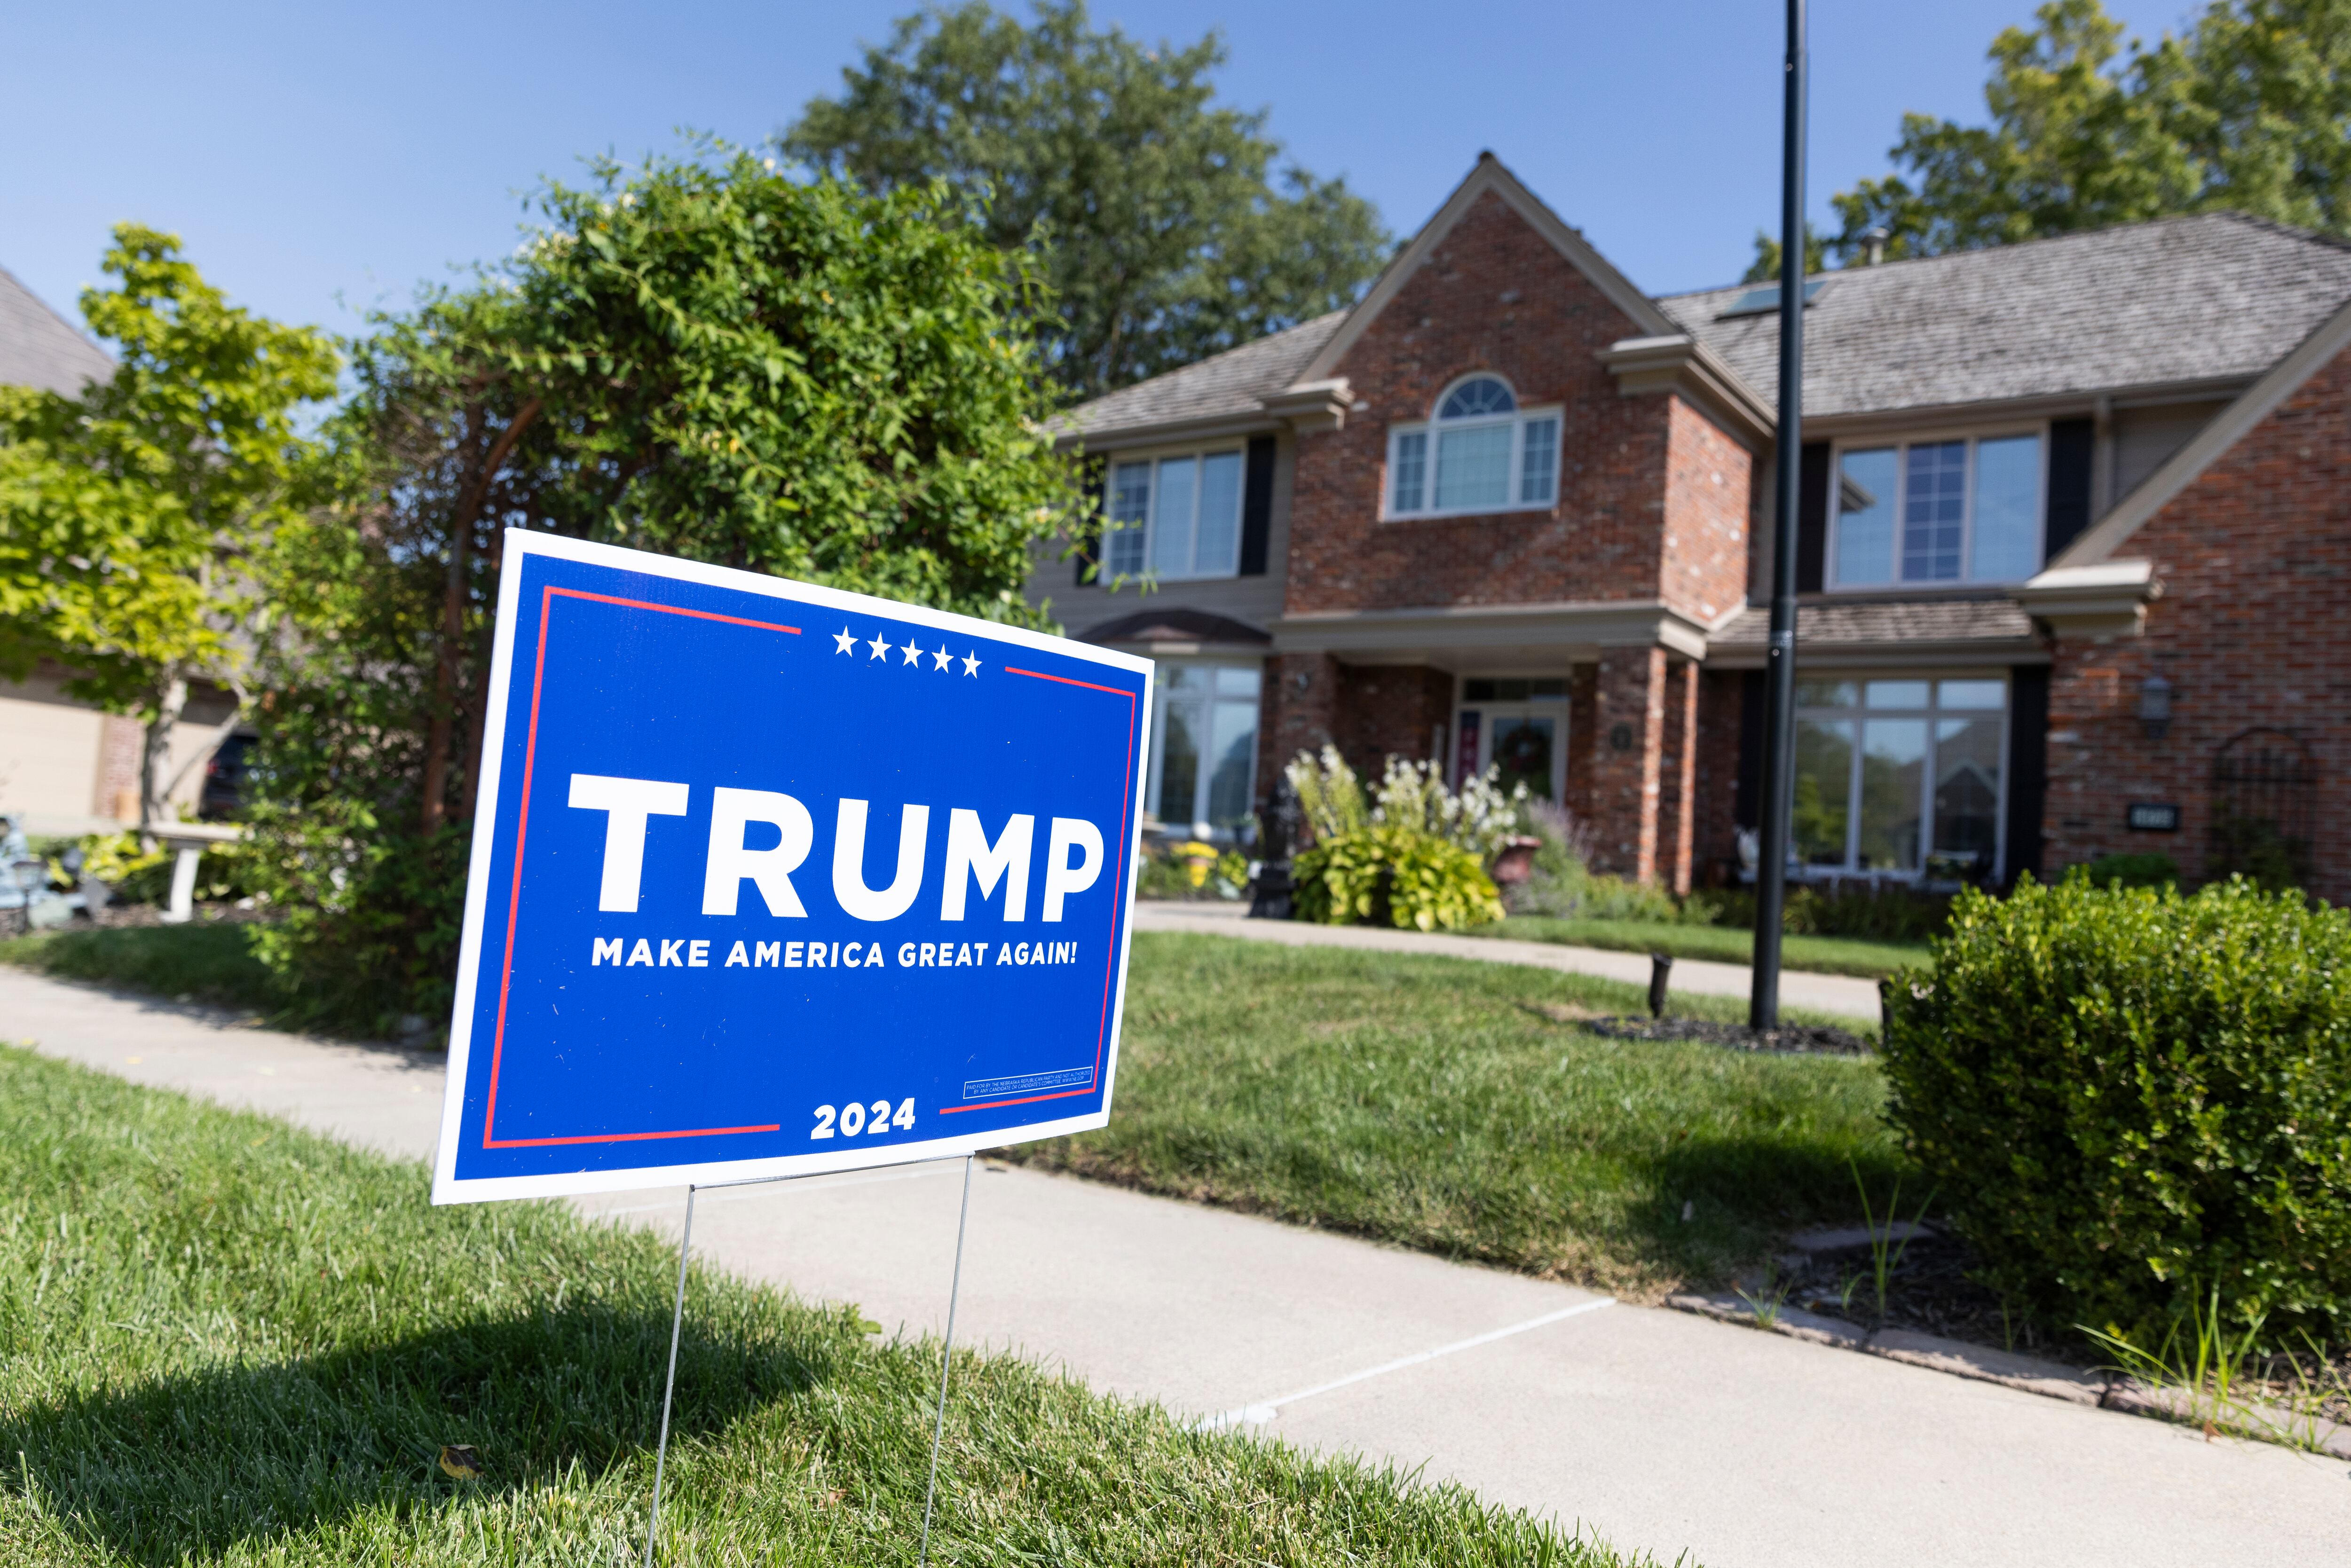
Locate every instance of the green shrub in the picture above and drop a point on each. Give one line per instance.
(2135, 871)
(137, 877)
(1406, 878)
(1891, 914)
(1564, 886)
(2129, 1099)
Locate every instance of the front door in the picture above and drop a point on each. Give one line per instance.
(1518, 728)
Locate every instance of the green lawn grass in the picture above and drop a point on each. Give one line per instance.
(196, 962)
(1828, 955)
(225, 1341)
(1428, 1101)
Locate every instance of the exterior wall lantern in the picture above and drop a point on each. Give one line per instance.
(2155, 707)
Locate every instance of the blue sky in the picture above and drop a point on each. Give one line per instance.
(322, 160)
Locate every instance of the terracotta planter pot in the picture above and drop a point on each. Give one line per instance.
(1516, 863)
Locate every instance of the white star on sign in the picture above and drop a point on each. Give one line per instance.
(942, 659)
(971, 664)
(843, 640)
(913, 654)
(880, 646)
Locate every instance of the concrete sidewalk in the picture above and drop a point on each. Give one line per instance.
(1700, 976)
(1660, 1430)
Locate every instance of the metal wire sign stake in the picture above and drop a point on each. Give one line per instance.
(667, 977)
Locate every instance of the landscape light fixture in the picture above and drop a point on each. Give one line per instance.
(27, 875)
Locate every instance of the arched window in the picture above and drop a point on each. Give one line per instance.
(1482, 453)
(1477, 398)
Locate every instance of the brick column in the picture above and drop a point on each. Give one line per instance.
(1295, 716)
(114, 789)
(1584, 741)
(1678, 770)
(1629, 730)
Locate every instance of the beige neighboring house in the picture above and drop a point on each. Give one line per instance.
(65, 767)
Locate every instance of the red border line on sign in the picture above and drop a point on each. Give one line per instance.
(1126, 805)
(548, 596)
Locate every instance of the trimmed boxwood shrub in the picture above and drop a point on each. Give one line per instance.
(1397, 875)
(2129, 1099)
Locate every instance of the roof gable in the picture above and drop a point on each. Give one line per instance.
(40, 348)
(1489, 176)
(2098, 543)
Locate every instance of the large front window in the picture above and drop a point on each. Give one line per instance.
(1174, 518)
(1899, 776)
(1482, 453)
(1203, 744)
(1963, 510)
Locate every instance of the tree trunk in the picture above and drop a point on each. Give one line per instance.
(155, 778)
(438, 738)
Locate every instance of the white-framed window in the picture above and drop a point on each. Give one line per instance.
(1204, 743)
(1901, 775)
(1174, 518)
(1481, 452)
(1961, 508)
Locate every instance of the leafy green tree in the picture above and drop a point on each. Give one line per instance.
(1765, 268)
(2249, 111)
(1165, 234)
(703, 358)
(128, 514)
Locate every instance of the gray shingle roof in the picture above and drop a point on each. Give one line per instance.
(1871, 622)
(2192, 299)
(1225, 385)
(38, 348)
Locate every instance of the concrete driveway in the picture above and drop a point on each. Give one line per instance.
(1659, 1430)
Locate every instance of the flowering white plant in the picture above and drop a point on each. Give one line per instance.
(1478, 817)
(1329, 793)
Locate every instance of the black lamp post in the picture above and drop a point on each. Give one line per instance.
(1780, 671)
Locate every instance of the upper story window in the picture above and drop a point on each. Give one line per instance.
(1482, 453)
(1174, 518)
(1962, 510)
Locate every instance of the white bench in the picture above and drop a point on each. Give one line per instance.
(190, 840)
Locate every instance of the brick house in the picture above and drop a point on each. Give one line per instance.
(65, 767)
(2074, 549)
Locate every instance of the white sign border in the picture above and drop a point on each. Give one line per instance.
(520, 545)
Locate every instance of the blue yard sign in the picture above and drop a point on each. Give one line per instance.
(769, 879)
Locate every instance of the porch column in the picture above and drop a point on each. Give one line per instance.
(1298, 711)
(1679, 770)
(1584, 742)
(1629, 722)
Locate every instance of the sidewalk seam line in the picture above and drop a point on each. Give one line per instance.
(1234, 1417)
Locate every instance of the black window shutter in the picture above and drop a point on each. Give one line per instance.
(2027, 768)
(1811, 517)
(1089, 552)
(1747, 809)
(1257, 506)
(2070, 444)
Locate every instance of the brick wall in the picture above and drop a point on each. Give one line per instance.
(1298, 711)
(2254, 629)
(1494, 295)
(1629, 705)
(1392, 711)
(1710, 480)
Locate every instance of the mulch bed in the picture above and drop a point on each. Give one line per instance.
(1811, 1039)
